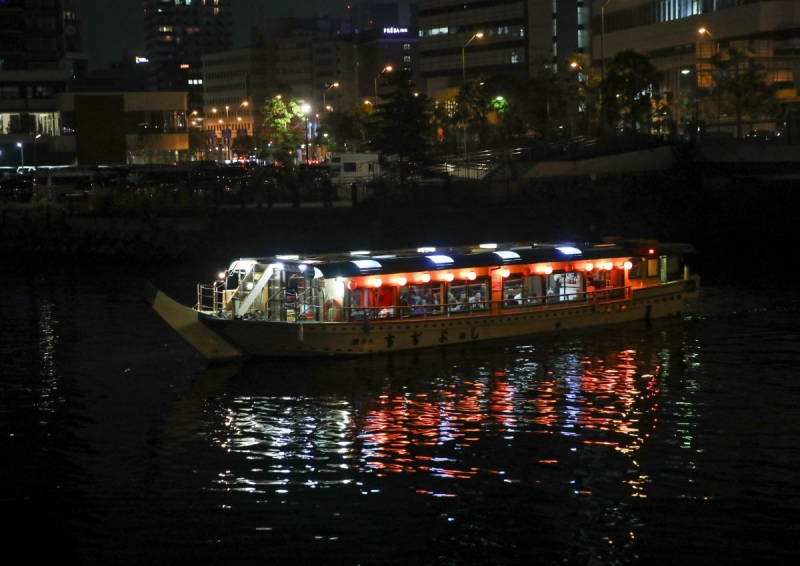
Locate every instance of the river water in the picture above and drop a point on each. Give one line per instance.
(673, 443)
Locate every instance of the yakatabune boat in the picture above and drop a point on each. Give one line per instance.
(364, 302)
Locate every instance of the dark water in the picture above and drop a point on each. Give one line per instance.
(677, 443)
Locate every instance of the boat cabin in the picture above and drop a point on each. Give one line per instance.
(426, 282)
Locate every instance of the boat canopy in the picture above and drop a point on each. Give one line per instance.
(361, 263)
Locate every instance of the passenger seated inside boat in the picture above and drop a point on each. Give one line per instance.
(356, 311)
(462, 304)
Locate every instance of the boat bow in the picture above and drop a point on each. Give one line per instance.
(187, 323)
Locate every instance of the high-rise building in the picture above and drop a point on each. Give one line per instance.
(40, 56)
(680, 38)
(177, 34)
(460, 39)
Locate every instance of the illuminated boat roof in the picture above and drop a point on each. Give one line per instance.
(360, 263)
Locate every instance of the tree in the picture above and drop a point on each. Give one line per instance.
(582, 88)
(446, 119)
(403, 124)
(347, 130)
(743, 88)
(474, 105)
(198, 142)
(631, 79)
(282, 120)
(243, 145)
(544, 101)
(509, 100)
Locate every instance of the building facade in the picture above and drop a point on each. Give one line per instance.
(40, 57)
(462, 39)
(235, 84)
(680, 37)
(177, 35)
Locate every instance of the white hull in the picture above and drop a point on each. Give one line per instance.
(240, 337)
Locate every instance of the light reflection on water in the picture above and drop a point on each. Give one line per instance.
(604, 446)
(568, 422)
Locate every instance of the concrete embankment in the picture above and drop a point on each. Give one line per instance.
(666, 205)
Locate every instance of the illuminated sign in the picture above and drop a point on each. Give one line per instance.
(184, 65)
(142, 60)
(394, 30)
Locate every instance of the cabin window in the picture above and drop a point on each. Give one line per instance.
(565, 286)
(519, 290)
(469, 295)
(635, 271)
(358, 303)
(673, 265)
(652, 267)
(372, 303)
(421, 299)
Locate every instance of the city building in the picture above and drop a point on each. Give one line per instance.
(40, 57)
(235, 83)
(118, 128)
(462, 39)
(177, 34)
(681, 36)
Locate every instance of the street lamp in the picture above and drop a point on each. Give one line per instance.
(603, 40)
(387, 69)
(306, 108)
(478, 35)
(36, 152)
(603, 61)
(324, 104)
(22, 152)
(704, 31)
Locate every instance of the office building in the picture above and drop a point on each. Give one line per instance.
(680, 37)
(462, 39)
(40, 57)
(177, 34)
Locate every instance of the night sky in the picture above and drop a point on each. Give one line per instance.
(109, 27)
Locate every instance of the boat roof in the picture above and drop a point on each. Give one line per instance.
(363, 262)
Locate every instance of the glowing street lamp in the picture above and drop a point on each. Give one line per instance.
(22, 152)
(478, 35)
(324, 104)
(704, 31)
(387, 69)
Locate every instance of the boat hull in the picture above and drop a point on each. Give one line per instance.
(210, 343)
(347, 339)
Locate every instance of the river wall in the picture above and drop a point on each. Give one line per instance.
(666, 205)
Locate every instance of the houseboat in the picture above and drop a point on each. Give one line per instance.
(363, 302)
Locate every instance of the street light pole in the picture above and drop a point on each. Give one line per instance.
(36, 152)
(228, 127)
(324, 94)
(387, 69)
(478, 35)
(21, 147)
(704, 31)
(306, 110)
(603, 62)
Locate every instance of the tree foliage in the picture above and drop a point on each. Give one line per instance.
(282, 125)
(404, 126)
(742, 84)
(631, 78)
(582, 87)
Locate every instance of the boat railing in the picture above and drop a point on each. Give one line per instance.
(597, 298)
(307, 305)
(210, 297)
